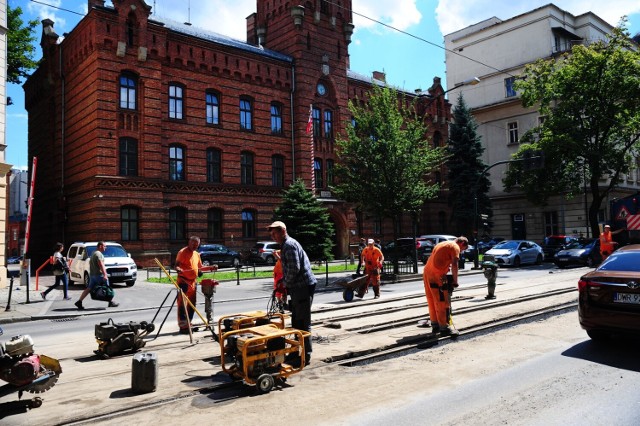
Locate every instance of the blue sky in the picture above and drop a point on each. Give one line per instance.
(410, 58)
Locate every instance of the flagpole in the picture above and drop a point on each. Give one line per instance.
(311, 142)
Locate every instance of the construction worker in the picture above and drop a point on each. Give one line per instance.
(607, 245)
(189, 268)
(444, 257)
(372, 258)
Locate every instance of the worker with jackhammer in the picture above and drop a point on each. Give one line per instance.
(189, 268)
(444, 257)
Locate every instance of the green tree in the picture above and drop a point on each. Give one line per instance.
(466, 178)
(20, 46)
(590, 100)
(386, 156)
(307, 221)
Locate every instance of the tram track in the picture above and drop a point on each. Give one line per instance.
(229, 389)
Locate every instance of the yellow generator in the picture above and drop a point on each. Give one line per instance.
(262, 354)
(249, 319)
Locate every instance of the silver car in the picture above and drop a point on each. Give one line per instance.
(516, 252)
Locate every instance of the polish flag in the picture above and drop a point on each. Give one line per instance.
(310, 121)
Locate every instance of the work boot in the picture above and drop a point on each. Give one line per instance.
(43, 295)
(449, 331)
(79, 305)
(113, 304)
(424, 323)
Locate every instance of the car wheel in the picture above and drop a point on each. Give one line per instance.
(516, 261)
(598, 335)
(270, 260)
(130, 283)
(86, 279)
(539, 260)
(236, 262)
(206, 263)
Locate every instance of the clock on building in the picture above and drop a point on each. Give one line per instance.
(322, 90)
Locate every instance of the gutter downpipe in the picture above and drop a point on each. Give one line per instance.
(62, 136)
(293, 137)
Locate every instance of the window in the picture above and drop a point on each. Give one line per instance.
(175, 101)
(330, 180)
(437, 139)
(129, 223)
(277, 171)
(276, 119)
(176, 162)
(508, 87)
(213, 108)
(248, 223)
(245, 114)
(246, 168)
(128, 153)
(551, 223)
(328, 124)
(214, 166)
(512, 128)
(315, 117)
(131, 30)
(317, 173)
(177, 223)
(128, 91)
(377, 226)
(214, 224)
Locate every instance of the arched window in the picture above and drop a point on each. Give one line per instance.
(176, 101)
(246, 168)
(330, 174)
(128, 156)
(317, 173)
(276, 119)
(213, 108)
(214, 165)
(177, 223)
(129, 225)
(176, 162)
(128, 91)
(214, 224)
(246, 112)
(248, 223)
(328, 124)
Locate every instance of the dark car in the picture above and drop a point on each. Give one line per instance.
(585, 252)
(406, 249)
(609, 296)
(487, 244)
(217, 254)
(554, 243)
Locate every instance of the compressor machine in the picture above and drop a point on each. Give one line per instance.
(115, 339)
(258, 349)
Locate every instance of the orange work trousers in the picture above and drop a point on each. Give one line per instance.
(190, 291)
(438, 300)
(373, 280)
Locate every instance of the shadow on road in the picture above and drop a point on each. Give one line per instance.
(617, 353)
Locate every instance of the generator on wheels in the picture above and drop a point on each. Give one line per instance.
(259, 355)
(115, 339)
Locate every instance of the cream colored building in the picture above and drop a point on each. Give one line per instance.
(4, 167)
(500, 49)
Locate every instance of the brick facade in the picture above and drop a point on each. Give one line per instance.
(79, 121)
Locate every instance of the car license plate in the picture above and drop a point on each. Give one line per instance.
(563, 259)
(626, 298)
(117, 274)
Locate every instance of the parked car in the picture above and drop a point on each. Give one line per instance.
(516, 252)
(14, 260)
(585, 252)
(609, 296)
(405, 249)
(217, 254)
(119, 265)
(554, 243)
(431, 241)
(487, 244)
(263, 252)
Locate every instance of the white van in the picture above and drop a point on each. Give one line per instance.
(120, 266)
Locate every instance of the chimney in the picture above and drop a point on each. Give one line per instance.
(380, 76)
(251, 29)
(96, 3)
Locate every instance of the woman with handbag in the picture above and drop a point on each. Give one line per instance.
(60, 271)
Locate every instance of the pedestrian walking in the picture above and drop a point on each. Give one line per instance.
(60, 271)
(97, 274)
(299, 282)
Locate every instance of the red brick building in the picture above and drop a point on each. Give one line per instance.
(148, 130)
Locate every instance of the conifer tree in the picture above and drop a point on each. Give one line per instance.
(307, 221)
(466, 180)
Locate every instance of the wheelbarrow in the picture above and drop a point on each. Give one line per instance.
(350, 286)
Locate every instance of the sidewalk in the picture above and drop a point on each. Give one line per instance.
(55, 307)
